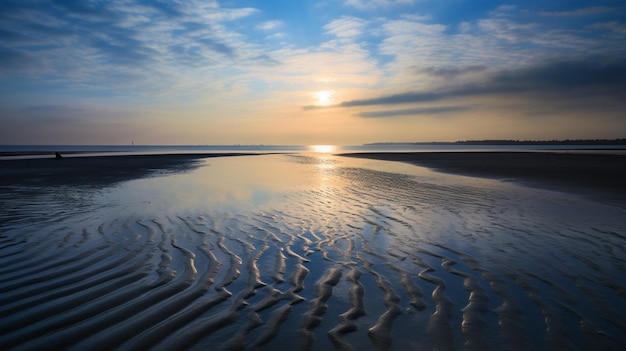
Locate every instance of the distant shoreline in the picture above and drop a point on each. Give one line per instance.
(564, 142)
(44, 153)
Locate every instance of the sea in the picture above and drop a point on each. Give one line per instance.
(300, 249)
(42, 151)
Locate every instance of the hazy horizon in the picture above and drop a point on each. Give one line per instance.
(338, 72)
(616, 141)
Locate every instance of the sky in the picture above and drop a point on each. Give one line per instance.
(288, 72)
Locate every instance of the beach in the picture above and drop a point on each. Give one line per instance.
(594, 174)
(93, 170)
(604, 172)
(474, 251)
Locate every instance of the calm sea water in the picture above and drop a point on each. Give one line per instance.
(36, 151)
(309, 251)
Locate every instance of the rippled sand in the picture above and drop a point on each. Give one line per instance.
(309, 252)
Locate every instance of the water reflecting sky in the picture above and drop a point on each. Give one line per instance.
(243, 181)
(440, 261)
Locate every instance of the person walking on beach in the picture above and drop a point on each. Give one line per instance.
(57, 156)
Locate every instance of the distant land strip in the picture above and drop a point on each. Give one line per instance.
(621, 141)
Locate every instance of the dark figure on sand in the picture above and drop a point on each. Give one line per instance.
(57, 156)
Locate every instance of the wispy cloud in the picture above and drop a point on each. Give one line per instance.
(452, 72)
(618, 27)
(586, 11)
(269, 25)
(85, 9)
(222, 62)
(16, 60)
(402, 98)
(413, 111)
(373, 4)
(346, 27)
(83, 42)
(566, 79)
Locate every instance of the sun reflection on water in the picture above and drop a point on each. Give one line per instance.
(323, 148)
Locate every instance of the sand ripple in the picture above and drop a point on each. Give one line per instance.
(374, 260)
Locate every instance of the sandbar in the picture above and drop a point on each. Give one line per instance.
(602, 176)
(96, 170)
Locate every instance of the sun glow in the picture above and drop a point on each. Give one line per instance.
(324, 97)
(323, 148)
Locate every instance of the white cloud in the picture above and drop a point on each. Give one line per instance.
(507, 29)
(504, 11)
(496, 42)
(229, 14)
(346, 27)
(372, 4)
(274, 36)
(194, 51)
(131, 47)
(344, 65)
(269, 25)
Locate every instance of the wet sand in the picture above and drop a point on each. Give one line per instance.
(325, 253)
(602, 176)
(570, 171)
(96, 170)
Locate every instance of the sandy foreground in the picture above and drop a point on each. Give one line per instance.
(310, 252)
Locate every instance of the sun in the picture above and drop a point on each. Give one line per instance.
(324, 97)
(324, 149)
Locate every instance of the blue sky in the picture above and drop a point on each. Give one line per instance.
(310, 72)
